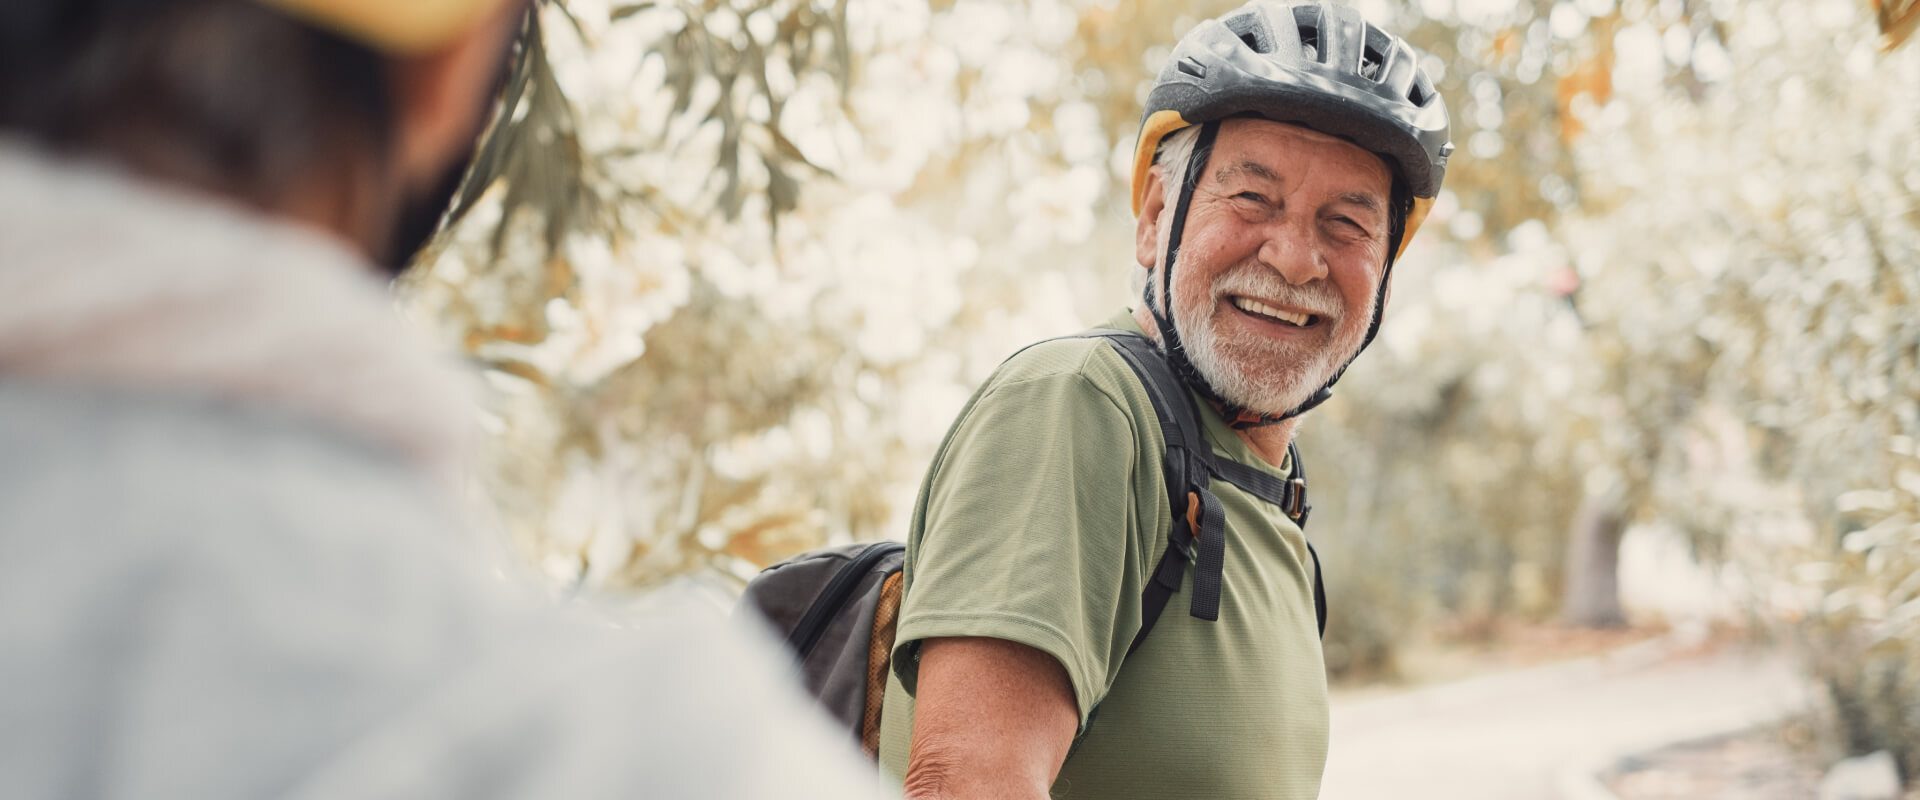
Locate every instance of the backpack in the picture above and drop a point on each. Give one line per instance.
(838, 606)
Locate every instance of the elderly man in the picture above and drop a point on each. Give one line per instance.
(230, 560)
(1288, 152)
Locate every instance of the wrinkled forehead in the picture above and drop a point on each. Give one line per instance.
(1256, 148)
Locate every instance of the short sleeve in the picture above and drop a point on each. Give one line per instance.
(1030, 530)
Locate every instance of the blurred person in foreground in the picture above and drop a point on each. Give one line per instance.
(230, 556)
(1287, 153)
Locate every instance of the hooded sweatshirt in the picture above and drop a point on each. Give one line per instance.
(232, 562)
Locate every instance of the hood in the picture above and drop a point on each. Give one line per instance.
(110, 281)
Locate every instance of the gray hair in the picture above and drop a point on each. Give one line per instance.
(1172, 157)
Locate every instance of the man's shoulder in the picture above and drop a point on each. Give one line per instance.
(1072, 394)
(1085, 361)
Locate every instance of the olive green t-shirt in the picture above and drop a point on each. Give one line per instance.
(1040, 521)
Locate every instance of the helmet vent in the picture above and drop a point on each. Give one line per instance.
(1252, 30)
(1306, 19)
(1422, 90)
(1319, 63)
(1373, 56)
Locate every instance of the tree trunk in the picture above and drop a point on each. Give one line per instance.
(1593, 565)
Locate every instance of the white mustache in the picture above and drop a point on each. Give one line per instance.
(1317, 298)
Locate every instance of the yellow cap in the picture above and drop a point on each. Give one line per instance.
(393, 26)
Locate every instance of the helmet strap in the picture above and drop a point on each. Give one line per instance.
(1170, 340)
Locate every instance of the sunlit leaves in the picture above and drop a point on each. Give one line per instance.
(733, 267)
(1751, 242)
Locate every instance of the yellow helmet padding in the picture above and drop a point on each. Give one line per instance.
(392, 26)
(1156, 128)
(1421, 205)
(1163, 123)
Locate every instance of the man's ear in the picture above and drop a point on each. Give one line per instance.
(441, 96)
(1146, 234)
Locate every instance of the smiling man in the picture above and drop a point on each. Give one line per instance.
(1288, 152)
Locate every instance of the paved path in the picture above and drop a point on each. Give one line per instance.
(1511, 736)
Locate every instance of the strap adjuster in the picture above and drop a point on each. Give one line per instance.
(1297, 501)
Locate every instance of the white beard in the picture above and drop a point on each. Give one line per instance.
(1257, 374)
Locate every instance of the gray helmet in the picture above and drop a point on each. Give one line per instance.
(1314, 64)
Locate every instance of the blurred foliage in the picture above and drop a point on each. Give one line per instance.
(733, 266)
(1773, 207)
(1898, 19)
(1861, 623)
(663, 398)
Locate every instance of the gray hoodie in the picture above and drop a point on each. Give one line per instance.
(231, 564)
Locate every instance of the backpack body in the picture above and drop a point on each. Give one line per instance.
(837, 606)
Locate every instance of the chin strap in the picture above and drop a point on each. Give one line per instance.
(1170, 339)
(1237, 416)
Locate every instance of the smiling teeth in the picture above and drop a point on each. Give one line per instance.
(1257, 307)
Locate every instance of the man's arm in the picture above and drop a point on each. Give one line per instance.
(1028, 555)
(992, 719)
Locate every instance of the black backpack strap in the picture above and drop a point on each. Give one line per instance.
(1319, 592)
(1160, 588)
(1289, 494)
(1298, 509)
(1210, 565)
(1189, 467)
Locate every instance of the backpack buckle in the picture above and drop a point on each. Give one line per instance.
(1297, 501)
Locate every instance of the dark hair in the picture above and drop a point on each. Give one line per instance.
(225, 94)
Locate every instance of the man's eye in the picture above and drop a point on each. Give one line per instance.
(1252, 196)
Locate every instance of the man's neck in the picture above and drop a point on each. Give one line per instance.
(1269, 442)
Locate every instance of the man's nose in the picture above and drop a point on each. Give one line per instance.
(1289, 250)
